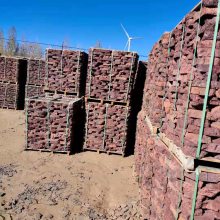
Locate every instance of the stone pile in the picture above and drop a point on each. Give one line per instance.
(13, 73)
(36, 74)
(176, 84)
(176, 154)
(110, 85)
(107, 127)
(66, 71)
(166, 188)
(53, 123)
(111, 75)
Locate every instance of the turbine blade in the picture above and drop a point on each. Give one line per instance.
(126, 45)
(125, 31)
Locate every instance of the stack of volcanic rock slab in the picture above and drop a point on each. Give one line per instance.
(177, 152)
(54, 120)
(176, 85)
(36, 73)
(53, 123)
(109, 87)
(13, 73)
(66, 71)
(167, 190)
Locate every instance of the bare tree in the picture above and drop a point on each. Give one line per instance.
(30, 50)
(23, 49)
(2, 42)
(98, 44)
(35, 51)
(12, 46)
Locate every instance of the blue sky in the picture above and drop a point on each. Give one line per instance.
(82, 23)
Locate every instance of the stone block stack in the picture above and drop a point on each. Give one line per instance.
(177, 151)
(13, 73)
(36, 73)
(54, 120)
(167, 190)
(109, 88)
(66, 72)
(107, 127)
(53, 123)
(186, 86)
(111, 75)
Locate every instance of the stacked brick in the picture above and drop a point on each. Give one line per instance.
(170, 122)
(34, 90)
(109, 88)
(36, 73)
(174, 126)
(53, 123)
(66, 71)
(154, 89)
(166, 189)
(111, 75)
(169, 81)
(107, 127)
(13, 75)
(141, 139)
(54, 120)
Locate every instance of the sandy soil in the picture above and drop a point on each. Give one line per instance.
(35, 185)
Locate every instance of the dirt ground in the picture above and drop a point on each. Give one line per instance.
(35, 185)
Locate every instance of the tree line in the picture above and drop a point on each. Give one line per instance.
(11, 47)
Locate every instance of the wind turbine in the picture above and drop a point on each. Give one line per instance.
(128, 44)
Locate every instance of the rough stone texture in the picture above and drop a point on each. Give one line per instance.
(166, 189)
(13, 70)
(110, 87)
(164, 184)
(165, 97)
(9, 69)
(107, 127)
(13, 73)
(11, 96)
(141, 139)
(33, 91)
(36, 72)
(53, 123)
(66, 71)
(111, 74)
(8, 95)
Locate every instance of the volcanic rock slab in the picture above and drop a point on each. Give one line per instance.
(53, 123)
(33, 90)
(66, 71)
(176, 81)
(166, 189)
(36, 73)
(107, 127)
(111, 74)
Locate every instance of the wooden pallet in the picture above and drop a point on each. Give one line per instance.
(8, 108)
(103, 101)
(9, 82)
(58, 92)
(104, 151)
(37, 85)
(49, 151)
